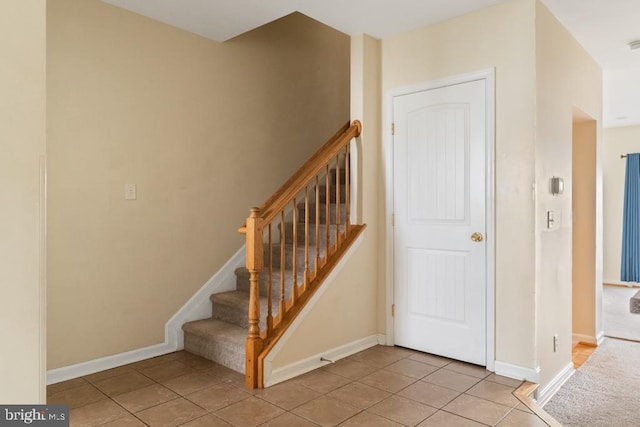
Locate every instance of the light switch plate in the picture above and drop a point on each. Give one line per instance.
(551, 220)
(130, 192)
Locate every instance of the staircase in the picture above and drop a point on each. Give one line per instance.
(301, 239)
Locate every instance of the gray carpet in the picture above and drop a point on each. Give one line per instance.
(618, 322)
(604, 391)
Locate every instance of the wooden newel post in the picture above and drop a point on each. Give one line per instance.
(255, 253)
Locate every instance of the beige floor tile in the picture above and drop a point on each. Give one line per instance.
(77, 396)
(468, 369)
(402, 410)
(377, 358)
(411, 368)
(249, 412)
(138, 400)
(209, 420)
(198, 363)
(477, 409)
(167, 370)
(522, 407)
(429, 394)
(396, 351)
(504, 380)
(190, 383)
(359, 395)
(321, 381)
(287, 395)
(367, 419)
(521, 419)
(288, 420)
(126, 421)
(453, 380)
(430, 359)
(123, 383)
(350, 369)
(445, 419)
(494, 392)
(109, 373)
(225, 374)
(65, 385)
(96, 414)
(170, 414)
(387, 381)
(326, 411)
(217, 396)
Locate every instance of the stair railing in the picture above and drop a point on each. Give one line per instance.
(312, 213)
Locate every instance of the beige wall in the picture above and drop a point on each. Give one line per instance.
(583, 198)
(348, 308)
(22, 151)
(500, 37)
(205, 130)
(567, 78)
(617, 141)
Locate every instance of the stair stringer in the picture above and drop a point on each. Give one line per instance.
(273, 376)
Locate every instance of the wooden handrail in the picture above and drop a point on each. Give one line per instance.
(278, 201)
(295, 291)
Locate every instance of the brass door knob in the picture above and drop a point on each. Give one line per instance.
(476, 237)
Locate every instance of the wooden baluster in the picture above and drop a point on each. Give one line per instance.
(270, 288)
(347, 186)
(306, 239)
(337, 201)
(294, 282)
(283, 246)
(327, 211)
(254, 342)
(317, 266)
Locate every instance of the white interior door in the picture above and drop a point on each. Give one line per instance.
(439, 175)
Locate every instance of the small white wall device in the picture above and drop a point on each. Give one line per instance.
(557, 186)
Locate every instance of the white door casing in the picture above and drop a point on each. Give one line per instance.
(442, 184)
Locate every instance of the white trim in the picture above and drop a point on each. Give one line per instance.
(554, 385)
(382, 339)
(489, 76)
(576, 338)
(108, 362)
(274, 376)
(198, 307)
(517, 372)
(309, 364)
(600, 338)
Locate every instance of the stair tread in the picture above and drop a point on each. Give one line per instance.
(216, 330)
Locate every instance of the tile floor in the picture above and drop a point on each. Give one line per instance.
(381, 386)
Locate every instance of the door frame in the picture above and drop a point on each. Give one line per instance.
(488, 75)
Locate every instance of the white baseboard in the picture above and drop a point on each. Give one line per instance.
(545, 394)
(313, 362)
(600, 338)
(198, 307)
(517, 372)
(382, 340)
(108, 362)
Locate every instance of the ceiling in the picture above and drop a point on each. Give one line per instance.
(603, 27)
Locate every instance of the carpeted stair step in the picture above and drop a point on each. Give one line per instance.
(312, 233)
(233, 307)
(323, 212)
(332, 194)
(288, 256)
(243, 283)
(218, 341)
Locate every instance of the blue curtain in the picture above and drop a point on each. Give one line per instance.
(630, 271)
